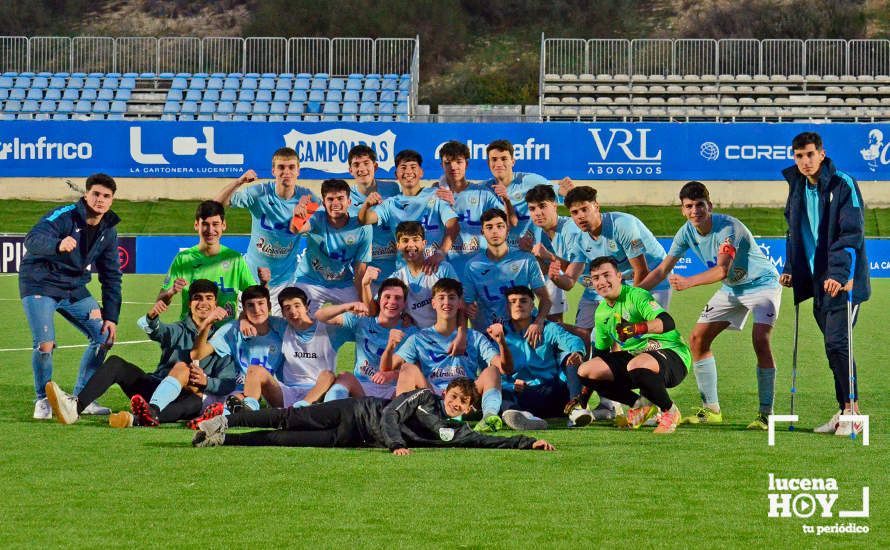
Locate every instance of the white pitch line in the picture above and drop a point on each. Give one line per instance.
(79, 345)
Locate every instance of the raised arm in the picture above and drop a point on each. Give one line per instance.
(225, 194)
(366, 214)
(202, 347)
(658, 274)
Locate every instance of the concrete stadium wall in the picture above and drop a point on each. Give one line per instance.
(723, 193)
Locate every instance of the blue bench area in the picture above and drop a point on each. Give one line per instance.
(209, 97)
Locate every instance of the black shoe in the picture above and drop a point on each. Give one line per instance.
(234, 404)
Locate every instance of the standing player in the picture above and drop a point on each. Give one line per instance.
(271, 205)
(826, 260)
(414, 203)
(653, 356)
(338, 249)
(209, 259)
(750, 284)
(498, 268)
(411, 243)
(54, 274)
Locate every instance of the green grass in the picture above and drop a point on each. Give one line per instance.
(88, 485)
(166, 216)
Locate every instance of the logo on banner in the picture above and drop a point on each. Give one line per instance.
(528, 150)
(182, 146)
(624, 151)
(875, 152)
(328, 151)
(44, 150)
(709, 151)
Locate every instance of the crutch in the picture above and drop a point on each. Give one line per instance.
(794, 360)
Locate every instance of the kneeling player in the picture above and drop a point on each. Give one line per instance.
(419, 418)
(653, 356)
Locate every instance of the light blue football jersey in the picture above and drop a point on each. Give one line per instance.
(429, 350)
(272, 244)
(485, 281)
(263, 350)
(420, 292)
(469, 205)
(542, 363)
(370, 342)
(750, 270)
(331, 253)
(517, 189)
(382, 244)
(564, 242)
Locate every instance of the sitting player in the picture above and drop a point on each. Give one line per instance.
(652, 356)
(425, 361)
(175, 387)
(419, 419)
(536, 383)
(411, 244)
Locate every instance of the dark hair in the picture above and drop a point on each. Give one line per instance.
(603, 260)
(199, 286)
(392, 282)
(101, 179)
(500, 145)
(694, 191)
(493, 213)
(803, 139)
(286, 153)
(408, 155)
(520, 289)
(208, 209)
(361, 150)
(447, 284)
(454, 149)
(291, 292)
(410, 229)
(333, 186)
(253, 292)
(581, 193)
(540, 193)
(466, 387)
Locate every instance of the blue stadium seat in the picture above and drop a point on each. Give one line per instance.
(405, 83)
(113, 75)
(231, 83)
(218, 75)
(187, 117)
(91, 83)
(211, 95)
(215, 83)
(56, 82)
(304, 75)
(354, 83)
(40, 82)
(337, 84)
(301, 83)
(22, 82)
(261, 108)
(390, 76)
(24, 116)
(75, 82)
(47, 106)
(276, 118)
(83, 107)
(71, 94)
(372, 83)
(249, 83)
(105, 94)
(316, 95)
(168, 117)
(373, 75)
(278, 108)
(281, 95)
(334, 95)
(204, 117)
(189, 107)
(193, 95)
(35, 94)
(219, 117)
(239, 76)
(179, 84)
(293, 118)
(330, 118)
(389, 84)
(286, 75)
(65, 106)
(228, 95)
(264, 95)
(240, 118)
(118, 107)
(149, 76)
(313, 107)
(53, 94)
(201, 75)
(402, 108)
(123, 94)
(110, 82)
(12, 106)
(207, 107)
(311, 118)
(171, 107)
(4, 93)
(101, 107)
(366, 118)
(387, 96)
(350, 108)
(386, 109)
(174, 95)
(299, 95)
(331, 108)
(319, 83)
(266, 83)
(225, 108)
(367, 108)
(268, 75)
(369, 95)
(246, 95)
(254, 76)
(115, 116)
(6, 81)
(197, 84)
(403, 118)
(18, 94)
(127, 83)
(258, 118)
(295, 108)
(403, 96)
(386, 118)
(90, 94)
(60, 116)
(130, 75)
(284, 84)
(243, 108)
(348, 118)
(351, 95)
(47, 74)
(79, 75)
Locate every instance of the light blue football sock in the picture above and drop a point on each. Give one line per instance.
(766, 384)
(251, 403)
(166, 392)
(337, 391)
(300, 404)
(706, 377)
(491, 402)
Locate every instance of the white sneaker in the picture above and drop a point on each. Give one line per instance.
(97, 409)
(829, 427)
(602, 412)
(578, 418)
(42, 410)
(64, 405)
(845, 428)
(523, 420)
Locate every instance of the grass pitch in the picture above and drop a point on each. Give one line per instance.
(88, 485)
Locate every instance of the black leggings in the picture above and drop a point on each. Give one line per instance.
(133, 381)
(328, 424)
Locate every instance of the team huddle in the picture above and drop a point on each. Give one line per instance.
(454, 296)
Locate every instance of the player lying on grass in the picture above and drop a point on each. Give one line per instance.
(417, 419)
(651, 353)
(536, 384)
(750, 284)
(175, 387)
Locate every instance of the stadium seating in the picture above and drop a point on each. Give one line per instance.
(201, 96)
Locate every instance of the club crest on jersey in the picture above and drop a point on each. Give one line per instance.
(517, 195)
(515, 268)
(474, 200)
(227, 264)
(350, 240)
(446, 434)
(613, 246)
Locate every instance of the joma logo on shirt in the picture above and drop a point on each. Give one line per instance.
(306, 355)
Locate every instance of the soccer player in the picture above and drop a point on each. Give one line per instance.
(414, 203)
(338, 248)
(271, 206)
(514, 185)
(425, 361)
(419, 419)
(186, 383)
(469, 201)
(411, 243)
(498, 268)
(555, 245)
(826, 260)
(54, 274)
(536, 384)
(750, 284)
(376, 338)
(652, 356)
(209, 259)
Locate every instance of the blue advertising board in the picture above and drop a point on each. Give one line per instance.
(580, 150)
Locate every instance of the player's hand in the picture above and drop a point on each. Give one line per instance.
(197, 376)
(395, 338)
(373, 199)
(445, 195)
(67, 244)
(519, 385)
(627, 331)
(526, 243)
(371, 274)
(402, 452)
(533, 334)
(246, 328)
(554, 271)
(431, 263)
(471, 310)
(159, 307)
(247, 177)
(109, 329)
(574, 359)
(360, 309)
(542, 445)
(785, 280)
(540, 252)
(565, 185)
(496, 332)
(501, 191)
(833, 288)
(384, 377)
(264, 274)
(178, 284)
(678, 282)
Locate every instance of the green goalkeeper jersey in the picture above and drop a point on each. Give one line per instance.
(227, 269)
(635, 305)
